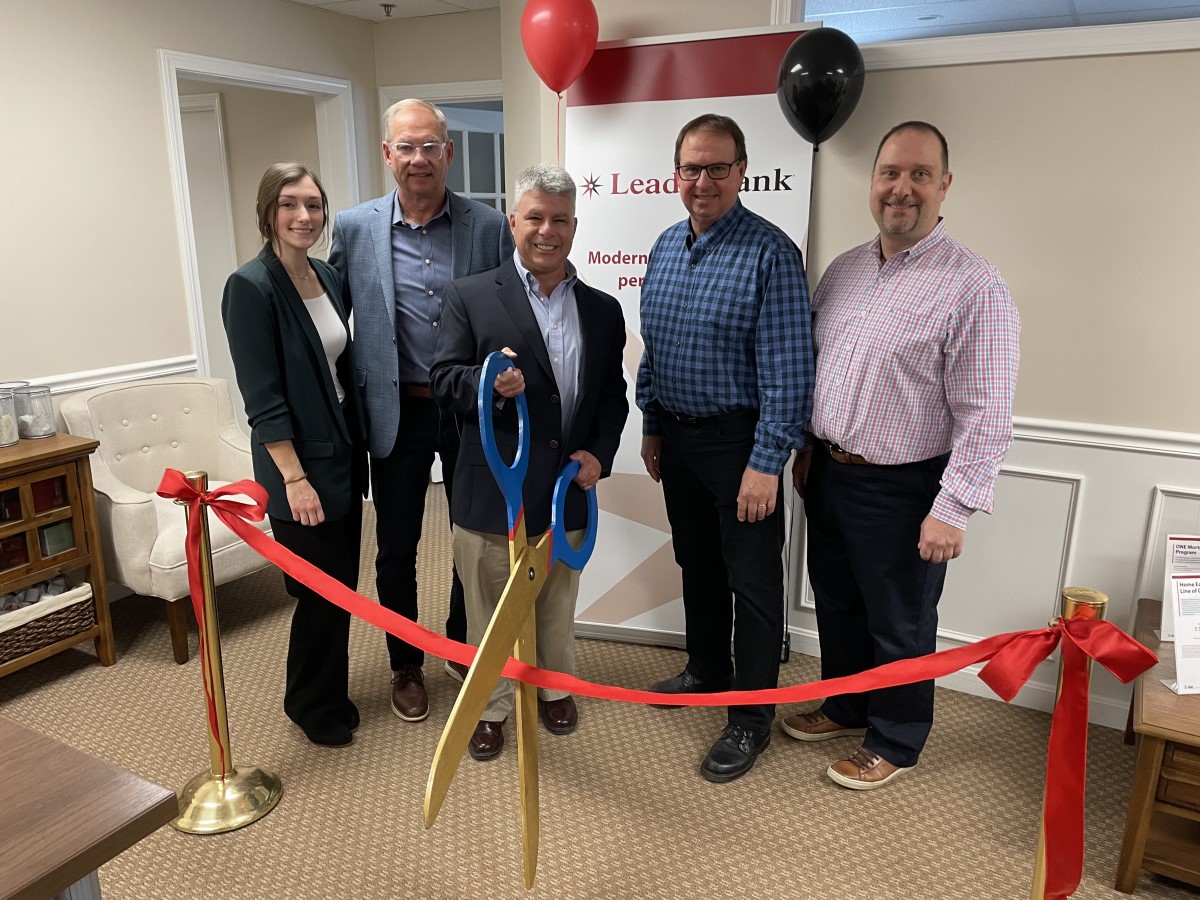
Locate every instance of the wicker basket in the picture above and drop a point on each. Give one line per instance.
(46, 622)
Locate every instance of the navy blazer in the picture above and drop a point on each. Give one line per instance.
(362, 252)
(488, 312)
(285, 381)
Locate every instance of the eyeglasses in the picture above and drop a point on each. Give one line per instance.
(716, 171)
(431, 150)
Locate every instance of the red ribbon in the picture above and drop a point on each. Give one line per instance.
(1010, 660)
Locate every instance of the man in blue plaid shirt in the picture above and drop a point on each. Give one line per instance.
(725, 387)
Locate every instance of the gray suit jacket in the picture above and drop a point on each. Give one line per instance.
(362, 252)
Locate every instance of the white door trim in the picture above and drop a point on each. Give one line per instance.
(338, 158)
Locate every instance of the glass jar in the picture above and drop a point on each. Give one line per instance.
(8, 418)
(35, 412)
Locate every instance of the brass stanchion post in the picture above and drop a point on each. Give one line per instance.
(228, 796)
(1073, 600)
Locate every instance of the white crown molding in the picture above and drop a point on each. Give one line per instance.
(441, 92)
(1107, 437)
(152, 368)
(1050, 43)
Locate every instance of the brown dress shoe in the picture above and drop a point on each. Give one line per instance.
(409, 700)
(487, 741)
(559, 716)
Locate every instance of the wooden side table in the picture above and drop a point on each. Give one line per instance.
(67, 813)
(48, 528)
(1162, 831)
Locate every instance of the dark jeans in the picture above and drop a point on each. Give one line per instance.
(398, 486)
(731, 569)
(876, 598)
(318, 662)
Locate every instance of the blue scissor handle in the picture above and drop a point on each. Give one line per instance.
(560, 547)
(510, 478)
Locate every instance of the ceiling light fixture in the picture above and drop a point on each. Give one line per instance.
(387, 9)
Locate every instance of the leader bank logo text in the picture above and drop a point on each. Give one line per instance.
(618, 184)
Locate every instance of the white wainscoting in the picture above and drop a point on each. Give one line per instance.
(1077, 505)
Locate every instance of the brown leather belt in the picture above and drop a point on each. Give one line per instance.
(415, 390)
(842, 456)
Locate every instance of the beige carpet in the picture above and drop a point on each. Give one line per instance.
(625, 813)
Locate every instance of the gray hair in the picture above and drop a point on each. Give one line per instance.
(549, 179)
(401, 105)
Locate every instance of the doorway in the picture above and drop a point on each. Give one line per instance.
(327, 101)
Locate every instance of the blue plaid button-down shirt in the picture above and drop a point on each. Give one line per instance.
(726, 326)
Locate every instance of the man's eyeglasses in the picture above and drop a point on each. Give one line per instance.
(431, 150)
(716, 171)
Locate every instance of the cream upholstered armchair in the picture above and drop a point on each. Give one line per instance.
(144, 428)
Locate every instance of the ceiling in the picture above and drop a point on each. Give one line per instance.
(872, 21)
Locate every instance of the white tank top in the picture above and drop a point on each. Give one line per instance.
(332, 333)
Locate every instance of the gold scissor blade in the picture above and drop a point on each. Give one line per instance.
(516, 603)
(527, 753)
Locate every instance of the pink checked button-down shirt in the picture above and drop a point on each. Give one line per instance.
(917, 356)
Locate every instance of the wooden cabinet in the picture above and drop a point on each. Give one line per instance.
(48, 528)
(1162, 831)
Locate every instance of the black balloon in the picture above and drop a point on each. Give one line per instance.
(820, 81)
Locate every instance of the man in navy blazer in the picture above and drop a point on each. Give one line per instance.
(397, 253)
(566, 341)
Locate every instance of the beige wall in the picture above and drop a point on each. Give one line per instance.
(1070, 174)
(437, 49)
(99, 280)
(261, 127)
(1074, 177)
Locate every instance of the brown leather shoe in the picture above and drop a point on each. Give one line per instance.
(559, 716)
(864, 771)
(487, 741)
(409, 700)
(816, 726)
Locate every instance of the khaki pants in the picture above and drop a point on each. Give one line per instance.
(482, 563)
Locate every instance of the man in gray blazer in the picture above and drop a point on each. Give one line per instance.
(396, 254)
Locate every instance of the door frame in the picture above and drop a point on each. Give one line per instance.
(337, 153)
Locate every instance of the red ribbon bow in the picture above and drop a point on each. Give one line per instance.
(1010, 660)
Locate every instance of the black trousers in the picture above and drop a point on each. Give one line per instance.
(732, 571)
(318, 661)
(876, 598)
(398, 486)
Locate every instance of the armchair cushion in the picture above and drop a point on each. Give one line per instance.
(144, 428)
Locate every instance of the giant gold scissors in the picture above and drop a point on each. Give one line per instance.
(513, 626)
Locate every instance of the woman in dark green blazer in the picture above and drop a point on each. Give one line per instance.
(290, 340)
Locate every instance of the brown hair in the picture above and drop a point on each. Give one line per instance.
(717, 124)
(274, 180)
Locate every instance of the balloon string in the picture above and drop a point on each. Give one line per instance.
(558, 131)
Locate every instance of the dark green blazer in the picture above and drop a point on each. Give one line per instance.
(286, 384)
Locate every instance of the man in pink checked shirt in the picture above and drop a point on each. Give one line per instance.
(917, 351)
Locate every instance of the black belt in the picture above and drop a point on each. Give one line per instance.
(416, 390)
(733, 416)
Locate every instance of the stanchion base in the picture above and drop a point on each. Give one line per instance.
(212, 805)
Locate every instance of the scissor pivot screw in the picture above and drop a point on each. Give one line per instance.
(532, 574)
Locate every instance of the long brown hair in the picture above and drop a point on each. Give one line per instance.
(274, 180)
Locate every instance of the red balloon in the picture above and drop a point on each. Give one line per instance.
(559, 37)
